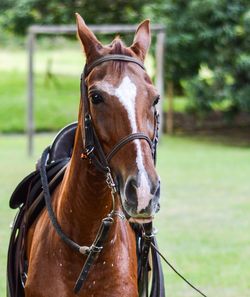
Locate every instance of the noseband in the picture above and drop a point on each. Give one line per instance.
(93, 149)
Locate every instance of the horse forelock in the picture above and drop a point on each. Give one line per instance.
(117, 47)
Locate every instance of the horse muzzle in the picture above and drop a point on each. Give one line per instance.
(140, 198)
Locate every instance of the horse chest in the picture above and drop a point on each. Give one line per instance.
(108, 279)
(114, 274)
(100, 283)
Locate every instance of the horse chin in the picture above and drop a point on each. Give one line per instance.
(140, 220)
(135, 219)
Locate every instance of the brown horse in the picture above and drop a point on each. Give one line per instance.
(121, 102)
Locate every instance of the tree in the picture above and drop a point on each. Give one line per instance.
(213, 35)
(17, 15)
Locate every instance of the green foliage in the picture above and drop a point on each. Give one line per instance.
(209, 93)
(19, 14)
(212, 33)
(56, 102)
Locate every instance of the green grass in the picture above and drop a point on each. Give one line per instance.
(204, 220)
(56, 99)
(205, 216)
(55, 106)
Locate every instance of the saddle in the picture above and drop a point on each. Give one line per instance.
(28, 198)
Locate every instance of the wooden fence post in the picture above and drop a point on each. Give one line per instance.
(30, 90)
(170, 112)
(160, 40)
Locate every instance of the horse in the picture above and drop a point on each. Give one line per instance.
(110, 186)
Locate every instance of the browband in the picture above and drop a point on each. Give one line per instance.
(106, 58)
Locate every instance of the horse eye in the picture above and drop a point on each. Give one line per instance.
(156, 100)
(96, 98)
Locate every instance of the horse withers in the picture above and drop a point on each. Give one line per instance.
(93, 237)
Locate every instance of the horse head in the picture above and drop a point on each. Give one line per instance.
(122, 101)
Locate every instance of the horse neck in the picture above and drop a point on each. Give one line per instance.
(84, 198)
(82, 202)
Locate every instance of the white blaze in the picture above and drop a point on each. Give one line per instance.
(126, 93)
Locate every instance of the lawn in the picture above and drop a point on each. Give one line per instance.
(56, 95)
(204, 220)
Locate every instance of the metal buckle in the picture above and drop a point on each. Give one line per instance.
(84, 250)
(110, 181)
(95, 249)
(149, 236)
(118, 214)
(87, 152)
(87, 117)
(23, 278)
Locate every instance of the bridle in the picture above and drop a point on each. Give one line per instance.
(94, 153)
(93, 149)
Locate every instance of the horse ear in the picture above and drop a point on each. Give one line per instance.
(90, 43)
(142, 40)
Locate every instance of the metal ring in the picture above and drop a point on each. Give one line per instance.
(96, 249)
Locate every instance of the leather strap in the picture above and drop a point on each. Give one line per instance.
(47, 197)
(147, 236)
(95, 249)
(121, 58)
(127, 139)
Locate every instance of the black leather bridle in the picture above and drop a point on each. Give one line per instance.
(93, 151)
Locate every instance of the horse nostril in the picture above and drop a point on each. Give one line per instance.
(158, 206)
(155, 189)
(131, 192)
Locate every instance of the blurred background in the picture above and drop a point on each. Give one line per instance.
(204, 153)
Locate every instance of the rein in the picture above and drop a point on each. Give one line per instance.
(176, 271)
